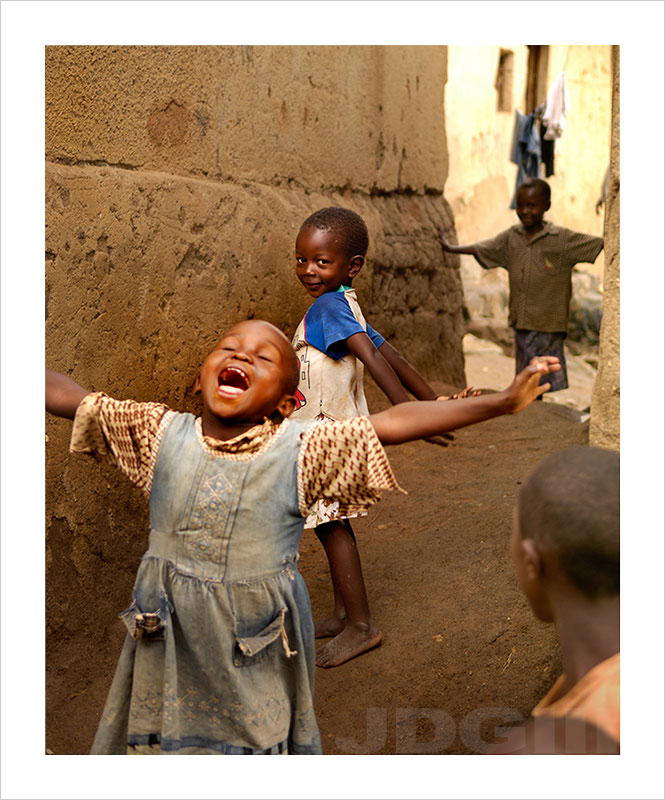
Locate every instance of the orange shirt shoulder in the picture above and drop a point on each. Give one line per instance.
(594, 698)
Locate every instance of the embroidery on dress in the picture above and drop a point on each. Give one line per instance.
(209, 516)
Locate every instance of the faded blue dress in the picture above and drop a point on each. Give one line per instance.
(219, 655)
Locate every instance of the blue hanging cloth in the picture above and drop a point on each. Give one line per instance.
(525, 149)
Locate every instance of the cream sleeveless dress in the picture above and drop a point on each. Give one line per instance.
(329, 389)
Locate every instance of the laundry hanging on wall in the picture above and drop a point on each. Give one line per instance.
(546, 150)
(546, 145)
(556, 107)
(553, 120)
(525, 149)
(534, 134)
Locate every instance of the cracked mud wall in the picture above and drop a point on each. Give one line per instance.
(176, 180)
(605, 423)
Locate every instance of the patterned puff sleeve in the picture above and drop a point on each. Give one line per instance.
(343, 461)
(123, 431)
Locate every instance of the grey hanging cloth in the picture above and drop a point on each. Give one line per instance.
(525, 149)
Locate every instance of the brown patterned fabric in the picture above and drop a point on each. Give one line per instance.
(245, 446)
(539, 272)
(343, 460)
(123, 431)
(339, 460)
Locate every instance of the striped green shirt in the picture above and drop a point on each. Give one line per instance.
(539, 272)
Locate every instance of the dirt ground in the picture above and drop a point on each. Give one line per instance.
(461, 652)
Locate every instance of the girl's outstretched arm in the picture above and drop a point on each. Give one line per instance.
(418, 420)
(63, 395)
(393, 375)
(413, 381)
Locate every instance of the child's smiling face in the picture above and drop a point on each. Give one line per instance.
(248, 376)
(530, 205)
(322, 264)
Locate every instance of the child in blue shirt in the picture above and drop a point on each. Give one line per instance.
(333, 343)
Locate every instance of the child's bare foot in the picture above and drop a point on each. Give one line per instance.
(329, 626)
(353, 640)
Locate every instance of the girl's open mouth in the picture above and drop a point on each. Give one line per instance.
(232, 381)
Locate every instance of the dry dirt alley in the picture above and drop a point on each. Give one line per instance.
(458, 638)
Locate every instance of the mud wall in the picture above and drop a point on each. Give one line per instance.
(604, 426)
(176, 180)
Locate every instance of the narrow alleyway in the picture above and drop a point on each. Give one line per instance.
(458, 637)
(459, 640)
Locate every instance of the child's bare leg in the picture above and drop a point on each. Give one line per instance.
(351, 623)
(334, 623)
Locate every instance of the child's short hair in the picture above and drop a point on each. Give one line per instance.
(349, 226)
(537, 183)
(570, 506)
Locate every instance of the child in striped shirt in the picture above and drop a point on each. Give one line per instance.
(539, 257)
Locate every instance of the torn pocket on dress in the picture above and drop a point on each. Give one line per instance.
(145, 625)
(253, 649)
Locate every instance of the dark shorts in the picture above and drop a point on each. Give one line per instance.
(537, 343)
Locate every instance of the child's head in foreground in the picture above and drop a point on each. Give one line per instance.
(330, 249)
(532, 200)
(566, 528)
(250, 374)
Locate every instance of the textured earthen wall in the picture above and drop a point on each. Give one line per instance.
(176, 180)
(604, 426)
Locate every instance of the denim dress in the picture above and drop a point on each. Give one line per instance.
(219, 657)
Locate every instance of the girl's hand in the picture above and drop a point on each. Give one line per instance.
(524, 389)
(468, 392)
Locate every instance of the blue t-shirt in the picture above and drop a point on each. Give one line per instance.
(330, 321)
